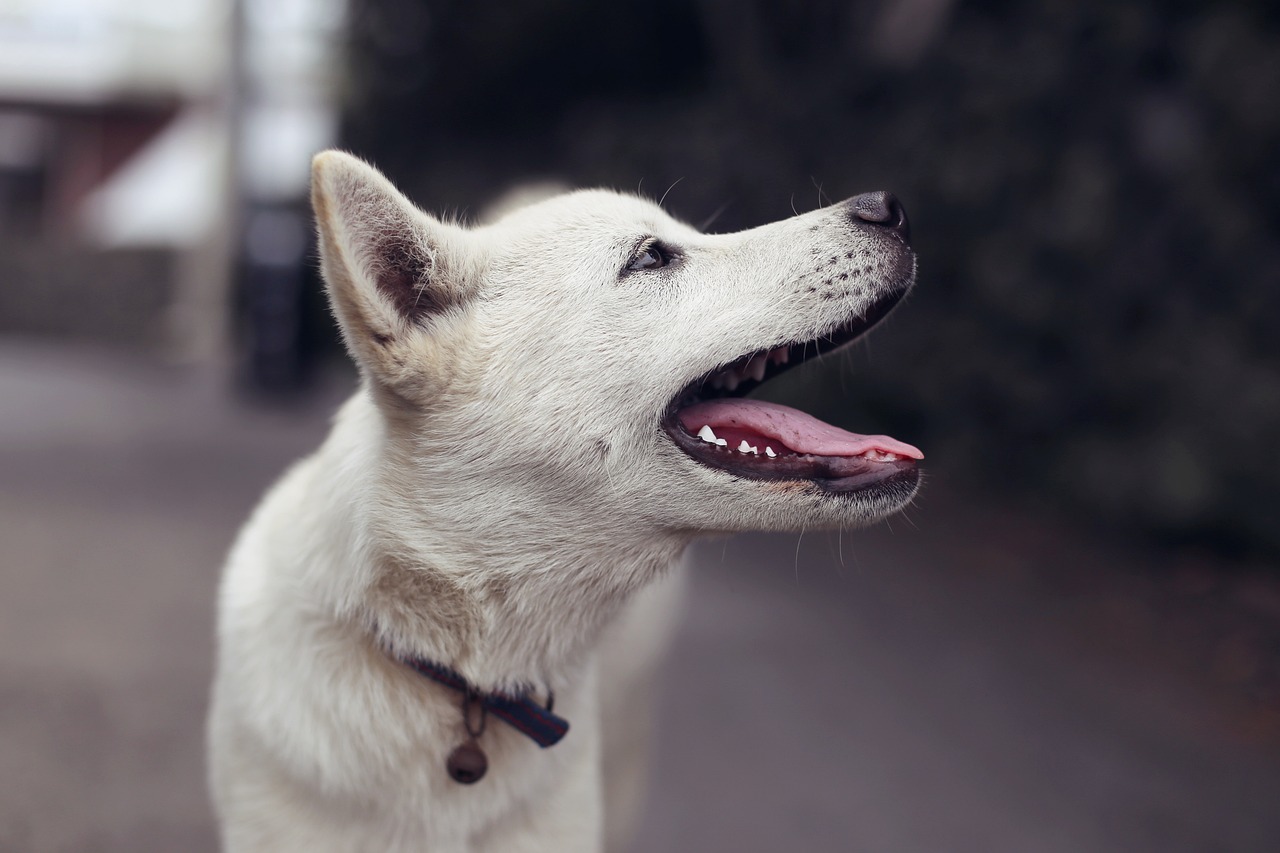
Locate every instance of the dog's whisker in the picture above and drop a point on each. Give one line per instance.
(669, 189)
(710, 220)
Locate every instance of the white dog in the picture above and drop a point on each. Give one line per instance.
(550, 409)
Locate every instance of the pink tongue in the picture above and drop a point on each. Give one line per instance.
(801, 433)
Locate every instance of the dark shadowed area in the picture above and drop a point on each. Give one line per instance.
(1094, 190)
(1071, 642)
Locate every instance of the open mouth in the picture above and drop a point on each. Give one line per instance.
(712, 422)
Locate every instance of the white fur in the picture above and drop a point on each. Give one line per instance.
(492, 496)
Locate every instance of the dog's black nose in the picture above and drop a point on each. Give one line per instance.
(881, 208)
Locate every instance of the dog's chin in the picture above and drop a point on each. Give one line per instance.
(737, 505)
(713, 423)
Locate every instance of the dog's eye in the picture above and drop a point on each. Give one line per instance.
(651, 257)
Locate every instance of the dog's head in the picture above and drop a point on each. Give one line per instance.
(593, 347)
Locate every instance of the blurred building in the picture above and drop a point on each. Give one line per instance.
(152, 156)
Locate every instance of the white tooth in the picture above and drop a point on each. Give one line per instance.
(755, 450)
(768, 451)
(723, 442)
(782, 354)
(890, 457)
(707, 434)
(755, 368)
(731, 381)
(744, 447)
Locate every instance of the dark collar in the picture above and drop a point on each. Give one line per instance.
(520, 712)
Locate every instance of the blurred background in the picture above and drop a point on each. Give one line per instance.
(1071, 642)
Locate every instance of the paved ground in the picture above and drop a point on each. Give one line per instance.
(976, 679)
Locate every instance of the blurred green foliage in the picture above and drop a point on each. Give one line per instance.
(1094, 190)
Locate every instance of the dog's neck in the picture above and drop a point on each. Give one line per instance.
(511, 598)
(509, 622)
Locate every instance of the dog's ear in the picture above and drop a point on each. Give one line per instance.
(390, 268)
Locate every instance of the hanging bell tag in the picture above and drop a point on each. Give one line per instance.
(467, 763)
